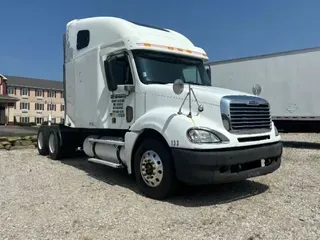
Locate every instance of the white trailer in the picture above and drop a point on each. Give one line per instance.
(289, 81)
(139, 97)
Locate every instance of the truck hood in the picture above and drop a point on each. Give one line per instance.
(205, 94)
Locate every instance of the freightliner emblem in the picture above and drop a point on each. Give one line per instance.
(253, 103)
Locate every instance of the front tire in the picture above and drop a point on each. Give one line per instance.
(154, 169)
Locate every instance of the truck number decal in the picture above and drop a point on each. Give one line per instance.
(117, 102)
(175, 143)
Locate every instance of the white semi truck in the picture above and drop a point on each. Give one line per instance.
(139, 97)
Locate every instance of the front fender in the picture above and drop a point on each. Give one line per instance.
(168, 123)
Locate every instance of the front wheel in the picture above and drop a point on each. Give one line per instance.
(154, 169)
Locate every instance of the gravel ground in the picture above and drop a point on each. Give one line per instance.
(73, 199)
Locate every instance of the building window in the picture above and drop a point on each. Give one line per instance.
(25, 106)
(39, 93)
(61, 120)
(53, 120)
(51, 94)
(83, 39)
(39, 120)
(62, 108)
(39, 106)
(25, 92)
(11, 90)
(61, 94)
(24, 119)
(51, 107)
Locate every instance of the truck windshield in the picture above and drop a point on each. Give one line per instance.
(163, 68)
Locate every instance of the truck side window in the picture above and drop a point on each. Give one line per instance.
(121, 71)
(83, 39)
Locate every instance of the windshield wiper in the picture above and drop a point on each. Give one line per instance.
(157, 82)
(199, 84)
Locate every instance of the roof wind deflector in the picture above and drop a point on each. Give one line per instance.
(149, 26)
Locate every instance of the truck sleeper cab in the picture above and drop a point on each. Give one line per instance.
(140, 98)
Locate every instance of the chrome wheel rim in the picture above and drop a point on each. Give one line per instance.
(52, 146)
(40, 140)
(151, 168)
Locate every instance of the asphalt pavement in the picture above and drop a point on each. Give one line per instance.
(17, 131)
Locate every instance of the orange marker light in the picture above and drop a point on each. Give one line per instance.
(171, 48)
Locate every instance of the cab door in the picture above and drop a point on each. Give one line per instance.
(122, 100)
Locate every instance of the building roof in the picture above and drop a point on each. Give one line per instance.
(6, 98)
(34, 83)
(3, 77)
(269, 55)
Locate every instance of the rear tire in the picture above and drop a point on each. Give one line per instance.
(154, 169)
(42, 143)
(55, 150)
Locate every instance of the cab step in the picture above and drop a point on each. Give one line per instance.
(107, 163)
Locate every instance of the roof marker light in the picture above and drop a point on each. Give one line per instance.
(171, 48)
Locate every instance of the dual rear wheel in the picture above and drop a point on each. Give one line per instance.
(49, 144)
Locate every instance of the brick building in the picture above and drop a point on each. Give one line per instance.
(30, 100)
(6, 102)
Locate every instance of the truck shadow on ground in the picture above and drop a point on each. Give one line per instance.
(187, 196)
(301, 145)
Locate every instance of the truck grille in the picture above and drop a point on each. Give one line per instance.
(249, 117)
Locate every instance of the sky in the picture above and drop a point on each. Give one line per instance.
(31, 31)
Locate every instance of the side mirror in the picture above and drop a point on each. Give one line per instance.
(208, 70)
(112, 85)
(178, 86)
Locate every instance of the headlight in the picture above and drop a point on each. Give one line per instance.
(202, 136)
